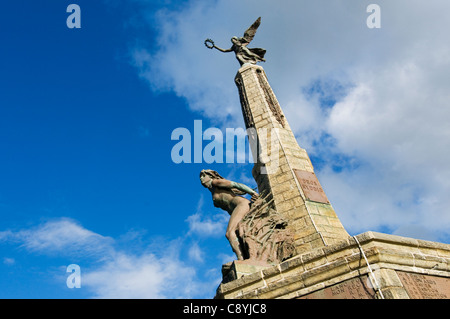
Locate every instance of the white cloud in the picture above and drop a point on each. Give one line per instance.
(9, 261)
(195, 253)
(108, 271)
(392, 118)
(62, 236)
(208, 226)
(146, 276)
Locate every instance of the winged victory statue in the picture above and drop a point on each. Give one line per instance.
(239, 47)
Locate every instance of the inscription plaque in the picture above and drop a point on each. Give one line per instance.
(420, 286)
(356, 288)
(311, 187)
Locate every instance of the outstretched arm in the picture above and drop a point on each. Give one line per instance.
(223, 183)
(222, 50)
(243, 188)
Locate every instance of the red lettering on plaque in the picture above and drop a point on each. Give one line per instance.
(311, 187)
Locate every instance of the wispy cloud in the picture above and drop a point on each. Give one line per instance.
(9, 261)
(63, 236)
(213, 225)
(145, 276)
(112, 272)
(208, 226)
(195, 253)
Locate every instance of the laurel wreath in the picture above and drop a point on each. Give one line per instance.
(209, 43)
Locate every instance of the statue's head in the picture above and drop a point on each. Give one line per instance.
(207, 175)
(235, 40)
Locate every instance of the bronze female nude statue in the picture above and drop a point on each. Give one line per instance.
(225, 196)
(239, 47)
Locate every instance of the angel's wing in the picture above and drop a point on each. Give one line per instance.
(250, 33)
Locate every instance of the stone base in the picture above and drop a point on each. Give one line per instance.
(398, 268)
(239, 268)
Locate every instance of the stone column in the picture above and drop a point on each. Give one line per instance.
(283, 169)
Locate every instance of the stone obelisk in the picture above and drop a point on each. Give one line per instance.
(327, 262)
(283, 169)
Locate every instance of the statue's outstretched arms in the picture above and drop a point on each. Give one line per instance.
(223, 183)
(243, 188)
(223, 50)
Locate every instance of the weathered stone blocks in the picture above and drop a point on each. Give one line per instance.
(285, 155)
(341, 271)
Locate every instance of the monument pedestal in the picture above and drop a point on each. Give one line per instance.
(239, 268)
(368, 266)
(322, 261)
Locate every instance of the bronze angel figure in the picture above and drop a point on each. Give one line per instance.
(239, 47)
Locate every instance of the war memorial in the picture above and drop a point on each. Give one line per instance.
(288, 240)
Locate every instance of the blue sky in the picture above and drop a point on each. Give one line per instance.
(83, 139)
(86, 117)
